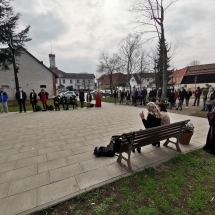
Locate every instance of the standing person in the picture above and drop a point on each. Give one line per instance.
(151, 95)
(81, 98)
(159, 94)
(183, 94)
(171, 99)
(210, 141)
(175, 97)
(143, 95)
(165, 120)
(64, 102)
(204, 94)
(3, 101)
(21, 98)
(115, 96)
(153, 119)
(89, 99)
(181, 99)
(33, 100)
(133, 95)
(98, 98)
(139, 95)
(122, 97)
(210, 99)
(73, 101)
(119, 96)
(128, 97)
(198, 93)
(187, 96)
(57, 103)
(43, 98)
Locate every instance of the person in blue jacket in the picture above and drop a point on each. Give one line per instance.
(3, 101)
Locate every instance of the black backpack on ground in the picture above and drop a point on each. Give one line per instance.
(115, 143)
(38, 108)
(103, 151)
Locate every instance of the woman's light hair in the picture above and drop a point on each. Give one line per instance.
(153, 109)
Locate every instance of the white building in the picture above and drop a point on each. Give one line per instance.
(143, 80)
(33, 74)
(76, 80)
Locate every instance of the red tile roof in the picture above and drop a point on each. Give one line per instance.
(201, 69)
(116, 78)
(177, 76)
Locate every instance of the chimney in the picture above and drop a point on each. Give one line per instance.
(52, 60)
(41, 62)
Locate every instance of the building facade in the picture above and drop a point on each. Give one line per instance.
(33, 74)
(76, 81)
(143, 80)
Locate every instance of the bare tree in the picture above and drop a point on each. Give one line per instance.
(150, 15)
(108, 66)
(129, 54)
(194, 63)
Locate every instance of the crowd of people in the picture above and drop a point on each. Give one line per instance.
(175, 98)
(58, 100)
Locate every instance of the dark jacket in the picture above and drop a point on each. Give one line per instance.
(151, 93)
(171, 97)
(115, 94)
(188, 95)
(151, 121)
(81, 96)
(136, 94)
(56, 100)
(144, 93)
(128, 96)
(47, 95)
(18, 95)
(181, 95)
(5, 97)
(198, 92)
(89, 97)
(159, 93)
(122, 94)
(33, 97)
(63, 100)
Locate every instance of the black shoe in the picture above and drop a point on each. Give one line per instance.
(181, 109)
(138, 149)
(176, 109)
(193, 105)
(133, 150)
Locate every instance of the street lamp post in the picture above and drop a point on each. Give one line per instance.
(15, 69)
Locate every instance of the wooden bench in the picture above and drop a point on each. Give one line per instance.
(146, 137)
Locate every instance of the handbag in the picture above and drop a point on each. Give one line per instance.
(115, 143)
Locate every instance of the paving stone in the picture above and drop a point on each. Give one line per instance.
(65, 172)
(7, 166)
(32, 147)
(60, 154)
(115, 170)
(56, 190)
(82, 149)
(23, 155)
(31, 161)
(3, 159)
(4, 190)
(18, 173)
(80, 157)
(9, 152)
(18, 203)
(29, 183)
(49, 150)
(54, 164)
(92, 177)
(6, 146)
(54, 143)
(72, 145)
(94, 163)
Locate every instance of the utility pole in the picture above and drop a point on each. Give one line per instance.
(15, 69)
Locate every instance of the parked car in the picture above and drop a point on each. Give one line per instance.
(68, 95)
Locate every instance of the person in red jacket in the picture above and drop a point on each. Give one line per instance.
(175, 97)
(43, 98)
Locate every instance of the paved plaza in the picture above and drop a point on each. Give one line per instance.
(47, 157)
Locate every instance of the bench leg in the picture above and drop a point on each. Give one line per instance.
(166, 143)
(177, 146)
(129, 158)
(119, 159)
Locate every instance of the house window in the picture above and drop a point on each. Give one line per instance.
(77, 81)
(5, 86)
(64, 81)
(88, 81)
(70, 81)
(42, 86)
(185, 86)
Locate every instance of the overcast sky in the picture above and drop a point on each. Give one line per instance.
(79, 30)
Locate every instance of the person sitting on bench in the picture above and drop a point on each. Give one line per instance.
(153, 119)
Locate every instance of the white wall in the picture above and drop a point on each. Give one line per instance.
(31, 75)
(145, 82)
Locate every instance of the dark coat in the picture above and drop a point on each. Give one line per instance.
(144, 93)
(24, 96)
(115, 94)
(63, 100)
(56, 100)
(188, 95)
(210, 142)
(33, 97)
(89, 98)
(128, 96)
(122, 94)
(181, 95)
(47, 95)
(159, 93)
(171, 97)
(81, 96)
(151, 93)
(151, 121)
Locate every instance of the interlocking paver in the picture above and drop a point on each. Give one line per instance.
(59, 160)
(18, 173)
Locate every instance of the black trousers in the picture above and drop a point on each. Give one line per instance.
(34, 104)
(65, 105)
(196, 100)
(22, 104)
(57, 107)
(44, 105)
(82, 103)
(209, 108)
